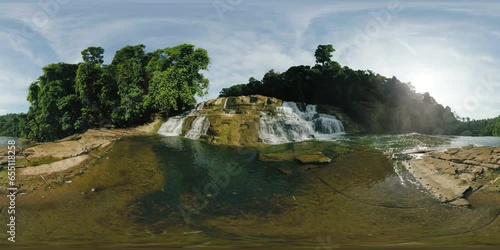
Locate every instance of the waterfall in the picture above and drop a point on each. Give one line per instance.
(327, 124)
(286, 126)
(200, 106)
(199, 127)
(173, 127)
(290, 123)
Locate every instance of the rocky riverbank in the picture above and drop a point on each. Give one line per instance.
(57, 162)
(453, 175)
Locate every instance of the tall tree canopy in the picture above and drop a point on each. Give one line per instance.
(381, 104)
(88, 87)
(94, 55)
(177, 68)
(323, 54)
(71, 98)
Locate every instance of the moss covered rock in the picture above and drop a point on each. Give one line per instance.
(236, 120)
(316, 158)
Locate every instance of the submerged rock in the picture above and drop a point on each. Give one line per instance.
(285, 171)
(277, 157)
(317, 158)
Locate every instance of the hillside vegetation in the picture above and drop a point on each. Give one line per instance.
(380, 104)
(71, 98)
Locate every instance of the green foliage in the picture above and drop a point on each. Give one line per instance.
(323, 54)
(129, 65)
(9, 124)
(93, 55)
(380, 104)
(51, 104)
(88, 87)
(175, 76)
(485, 127)
(71, 98)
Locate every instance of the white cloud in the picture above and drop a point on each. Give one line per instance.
(261, 35)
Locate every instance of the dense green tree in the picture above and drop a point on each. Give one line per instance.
(323, 54)
(109, 99)
(129, 66)
(10, 124)
(53, 109)
(484, 127)
(176, 78)
(71, 98)
(93, 55)
(235, 90)
(496, 131)
(88, 87)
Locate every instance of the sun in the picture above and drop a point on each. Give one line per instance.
(423, 81)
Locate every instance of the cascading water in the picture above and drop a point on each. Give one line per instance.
(291, 124)
(287, 124)
(199, 127)
(200, 106)
(173, 127)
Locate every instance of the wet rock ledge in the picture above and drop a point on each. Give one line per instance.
(451, 176)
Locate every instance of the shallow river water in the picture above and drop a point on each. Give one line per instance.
(159, 192)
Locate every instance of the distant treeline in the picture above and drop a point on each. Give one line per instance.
(485, 127)
(71, 98)
(380, 104)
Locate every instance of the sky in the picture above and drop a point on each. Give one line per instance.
(447, 48)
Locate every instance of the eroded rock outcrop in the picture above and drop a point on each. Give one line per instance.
(454, 174)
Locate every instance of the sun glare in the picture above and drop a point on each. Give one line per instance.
(423, 81)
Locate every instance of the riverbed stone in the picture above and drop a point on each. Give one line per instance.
(316, 158)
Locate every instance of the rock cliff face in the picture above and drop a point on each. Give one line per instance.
(251, 120)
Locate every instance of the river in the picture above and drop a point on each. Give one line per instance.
(154, 192)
